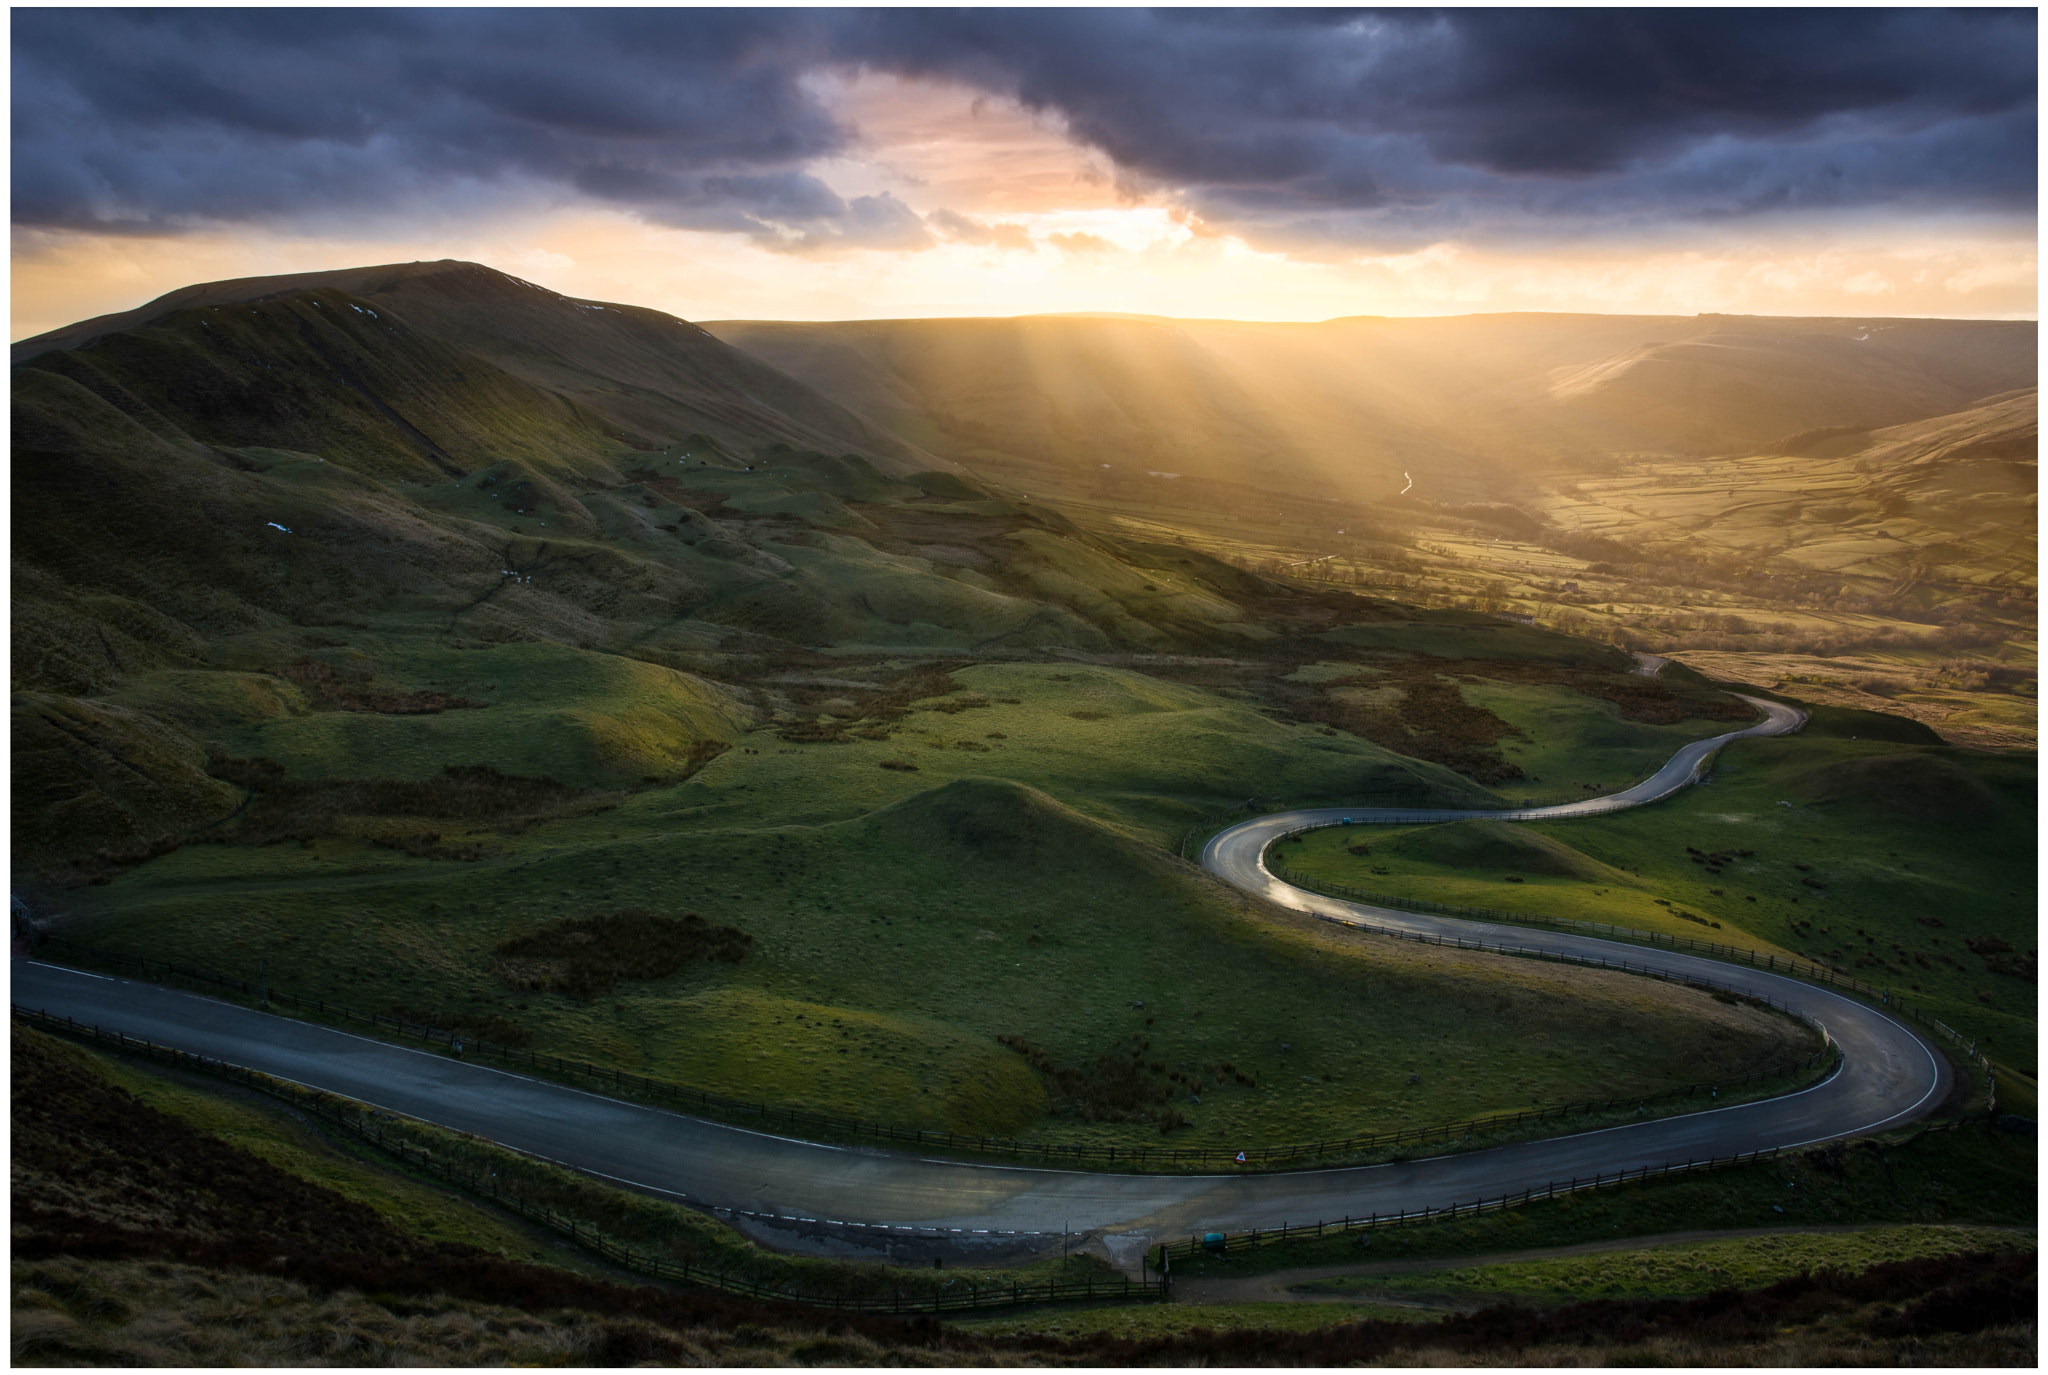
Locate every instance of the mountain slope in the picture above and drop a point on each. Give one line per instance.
(1471, 406)
(456, 468)
(413, 368)
(1950, 499)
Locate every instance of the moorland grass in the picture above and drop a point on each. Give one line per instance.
(71, 1311)
(1971, 1175)
(1135, 1322)
(1674, 1270)
(891, 951)
(427, 1209)
(1572, 742)
(274, 1134)
(1684, 1268)
(1439, 863)
(1905, 866)
(581, 718)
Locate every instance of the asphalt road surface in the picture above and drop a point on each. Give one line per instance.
(852, 1200)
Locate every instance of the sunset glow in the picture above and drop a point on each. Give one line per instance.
(936, 195)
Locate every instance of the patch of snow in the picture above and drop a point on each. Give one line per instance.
(275, 526)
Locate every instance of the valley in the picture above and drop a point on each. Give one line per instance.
(1844, 506)
(813, 716)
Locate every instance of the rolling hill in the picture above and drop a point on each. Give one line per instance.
(431, 368)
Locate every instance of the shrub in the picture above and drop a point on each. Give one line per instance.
(1116, 1088)
(585, 956)
(427, 845)
(349, 690)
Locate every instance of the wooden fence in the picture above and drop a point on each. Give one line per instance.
(1166, 1159)
(1219, 1243)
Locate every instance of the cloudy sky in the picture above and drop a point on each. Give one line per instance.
(832, 164)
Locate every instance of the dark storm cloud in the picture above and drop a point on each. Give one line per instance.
(1324, 126)
(163, 117)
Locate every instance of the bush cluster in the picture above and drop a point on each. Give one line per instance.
(586, 956)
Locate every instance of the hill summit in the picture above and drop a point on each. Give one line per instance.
(426, 370)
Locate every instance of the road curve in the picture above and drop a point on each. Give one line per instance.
(854, 1200)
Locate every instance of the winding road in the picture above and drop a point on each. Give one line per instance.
(840, 1200)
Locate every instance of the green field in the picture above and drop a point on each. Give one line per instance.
(892, 949)
(1571, 744)
(1902, 865)
(928, 854)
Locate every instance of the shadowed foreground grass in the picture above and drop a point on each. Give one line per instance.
(1688, 1268)
(145, 1313)
(132, 1250)
(1974, 1175)
(83, 1313)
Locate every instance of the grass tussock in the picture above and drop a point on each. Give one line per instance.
(1982, 1305)
(586, 957)
(84, 1313)
(68, 1312)
(1684, 1270)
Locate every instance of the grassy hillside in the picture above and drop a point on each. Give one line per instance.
(893, 950)
(1905, 865)
(371, 624)
(446, 362)
(1469, 403)
(1845, 505)
(1686, 1268)
(161, 1219)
